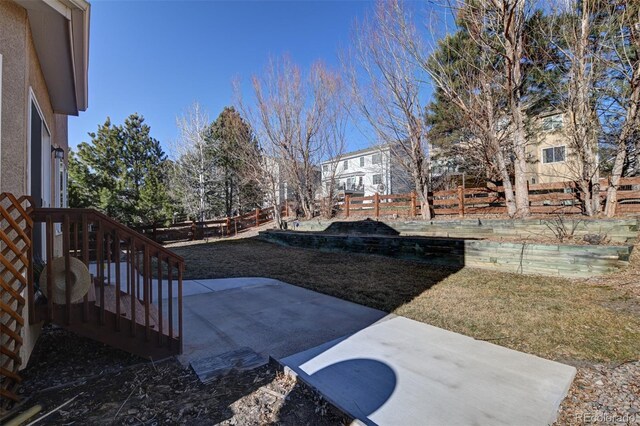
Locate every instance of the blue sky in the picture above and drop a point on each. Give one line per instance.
(158, 57)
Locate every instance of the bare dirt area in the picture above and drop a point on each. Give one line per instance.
(101, 385)
(593, 324)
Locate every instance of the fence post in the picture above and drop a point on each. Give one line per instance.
(347, 202)
(193, 230)
(413, 204)
(257, 216)
(461, 200)
(228, 227)
(376, 202)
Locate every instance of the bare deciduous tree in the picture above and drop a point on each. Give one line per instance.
(465, 75)
(298, 121)
(627, 64)
(262, 170)
(386, 89)
(333, 137)
(498, 27)
(581, 40)
(193, 174)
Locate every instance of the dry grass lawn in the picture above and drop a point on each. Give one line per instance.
(567, 320)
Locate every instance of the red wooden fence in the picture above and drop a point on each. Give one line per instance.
(547, 198)
(224, 227)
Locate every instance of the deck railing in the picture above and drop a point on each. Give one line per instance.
(137, 283)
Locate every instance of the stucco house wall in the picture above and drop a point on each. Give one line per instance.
(13, 136)
(22, 80)
(21, 77)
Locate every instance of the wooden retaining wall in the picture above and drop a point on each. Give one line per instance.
(542, 259)
(623, 231)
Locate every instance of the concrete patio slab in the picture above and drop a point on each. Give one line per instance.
(270, 317)
(403, 372)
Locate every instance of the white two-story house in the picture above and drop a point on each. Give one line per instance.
(365, 172)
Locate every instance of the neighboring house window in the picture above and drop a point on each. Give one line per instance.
(377, 179)
(553, 122)
(351, 183)
(361, 161)
(553, 155)
(325, 168)
(376, 158)
(360, 181)
(345, 165)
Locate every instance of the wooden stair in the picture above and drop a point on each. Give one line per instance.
(128, 270)
(117, 330)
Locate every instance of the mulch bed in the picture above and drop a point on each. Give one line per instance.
(107, 386)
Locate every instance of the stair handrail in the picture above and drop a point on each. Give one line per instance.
(41, 213)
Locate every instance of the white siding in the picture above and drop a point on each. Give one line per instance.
(360, 170)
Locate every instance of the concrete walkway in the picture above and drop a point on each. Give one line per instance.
(379, 368)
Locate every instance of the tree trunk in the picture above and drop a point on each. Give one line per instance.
(425, 207)
(614, 181)
(637, 171)
(631, 121)
(513, 21)
(277, 216)
(585, 191)
(307, 206)
(521, 184)
(422, 189)
(596, 205)
(509, 198)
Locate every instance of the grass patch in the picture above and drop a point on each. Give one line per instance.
(568, 320)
